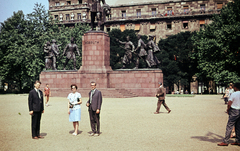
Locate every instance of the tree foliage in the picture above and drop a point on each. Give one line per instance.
(176, 64)
(217, 47)
(21, 45)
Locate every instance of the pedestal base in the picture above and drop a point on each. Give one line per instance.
(115, 84)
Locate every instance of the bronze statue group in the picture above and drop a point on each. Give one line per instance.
(142, 51)
(52, 51)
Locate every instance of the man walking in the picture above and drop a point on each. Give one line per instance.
(233, 110)
(94, 106)
(36, 108)
(161, 98)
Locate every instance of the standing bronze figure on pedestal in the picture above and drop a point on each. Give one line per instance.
(72, 47)
(152, 48)
(142, 52)
(98, 11)
(54, 53)
(129, 47)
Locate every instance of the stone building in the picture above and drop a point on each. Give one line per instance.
(157, 17)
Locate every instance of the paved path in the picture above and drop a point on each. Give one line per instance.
(195, 123)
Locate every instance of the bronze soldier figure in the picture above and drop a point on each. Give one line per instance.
(96, 11)
(142, 53)
(54, 53)
(48, 56)
(129, 47)
(152, 47)
(72, 47)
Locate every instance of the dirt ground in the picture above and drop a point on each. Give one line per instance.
(127, 124)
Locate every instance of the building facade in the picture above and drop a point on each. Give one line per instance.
(157, 17)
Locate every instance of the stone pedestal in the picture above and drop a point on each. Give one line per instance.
(95, 52)
(96, 67)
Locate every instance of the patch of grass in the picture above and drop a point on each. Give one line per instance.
(180, 95)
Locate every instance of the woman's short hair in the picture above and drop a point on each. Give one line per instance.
(74, 85)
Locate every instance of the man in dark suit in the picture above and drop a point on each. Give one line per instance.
(161, 98)
(36, 108)
(94, 106)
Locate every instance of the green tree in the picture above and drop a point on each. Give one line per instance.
(217, 46)
(176, 64)
(22, 40)
(13, 49)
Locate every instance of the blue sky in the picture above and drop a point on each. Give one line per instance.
(7, 7)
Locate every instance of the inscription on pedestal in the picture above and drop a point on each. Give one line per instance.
(91, 42)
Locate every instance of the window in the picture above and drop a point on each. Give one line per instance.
(67, 17)
(152, 27)
(202, 23)
(68, 2)
(219, 5)
(202, 7)
(123, 14)
(56, 17)
(169, 26)
(108, 28)
(138, 13)
(57, 4)
(185, 9)
(154, 12)
(79, 1)
(122, 27)
(185, 24)
(137, 26)
(79, 16)
(169, 10)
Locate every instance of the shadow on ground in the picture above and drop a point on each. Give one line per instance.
(210, 137)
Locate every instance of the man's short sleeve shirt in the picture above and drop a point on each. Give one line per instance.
(235, 98)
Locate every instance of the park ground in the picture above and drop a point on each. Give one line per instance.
(127, 124)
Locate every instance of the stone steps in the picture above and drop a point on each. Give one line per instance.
(107, 93)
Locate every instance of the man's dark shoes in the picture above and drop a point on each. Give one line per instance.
(169, 111)
(35, 137)
(222, 144)
(235, 143)
(40, 137)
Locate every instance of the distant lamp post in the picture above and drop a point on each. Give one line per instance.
(194, 78)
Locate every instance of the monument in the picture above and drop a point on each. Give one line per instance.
(96, 67)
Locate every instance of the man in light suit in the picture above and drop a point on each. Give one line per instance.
(94, 106)
(36, 108)
(161, 98)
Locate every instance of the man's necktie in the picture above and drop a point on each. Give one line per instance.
(91, 96)
(39, 94)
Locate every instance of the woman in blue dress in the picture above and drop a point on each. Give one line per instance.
(74, 108)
